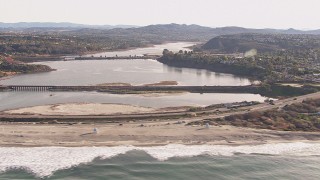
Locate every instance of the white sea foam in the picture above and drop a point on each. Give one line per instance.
(43, 161)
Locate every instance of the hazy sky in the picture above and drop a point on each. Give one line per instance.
(301, 14)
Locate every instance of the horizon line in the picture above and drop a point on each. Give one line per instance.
(83, 24)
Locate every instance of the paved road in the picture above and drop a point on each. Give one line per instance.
(165, 116)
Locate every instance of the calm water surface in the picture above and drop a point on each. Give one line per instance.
(12, 100)
(154, 50)
(135, 72)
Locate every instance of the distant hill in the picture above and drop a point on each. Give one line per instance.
(169, 32)
(182, 32)
(261, 42)
(77, 38)
(166, 31)
(23, 25)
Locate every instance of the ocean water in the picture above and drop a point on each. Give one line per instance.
(268, 161)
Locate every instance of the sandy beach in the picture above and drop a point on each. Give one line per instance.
(140, 134)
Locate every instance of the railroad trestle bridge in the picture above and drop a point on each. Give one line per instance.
(29, 88)
(128, 89)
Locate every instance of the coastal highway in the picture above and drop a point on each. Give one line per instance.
(164, 116)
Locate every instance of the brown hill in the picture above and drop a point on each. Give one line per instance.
(261, 42)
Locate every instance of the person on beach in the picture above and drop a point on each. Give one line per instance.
(95, 130)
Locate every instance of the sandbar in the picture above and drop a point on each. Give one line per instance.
(81, 109)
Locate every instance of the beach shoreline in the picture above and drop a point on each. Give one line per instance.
(141, 134)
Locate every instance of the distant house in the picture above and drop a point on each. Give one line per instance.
(9, 60)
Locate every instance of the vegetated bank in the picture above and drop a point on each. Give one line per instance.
(9, 66)
(214, 63)
(270, 58)
(269, 87)
(303, 116)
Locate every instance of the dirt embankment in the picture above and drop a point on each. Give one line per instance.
(163, 83)
(114, 84)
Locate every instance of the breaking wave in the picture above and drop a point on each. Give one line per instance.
(44, 161)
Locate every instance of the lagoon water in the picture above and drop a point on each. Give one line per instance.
(154, 50)
(13, 100)
(135, 72)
